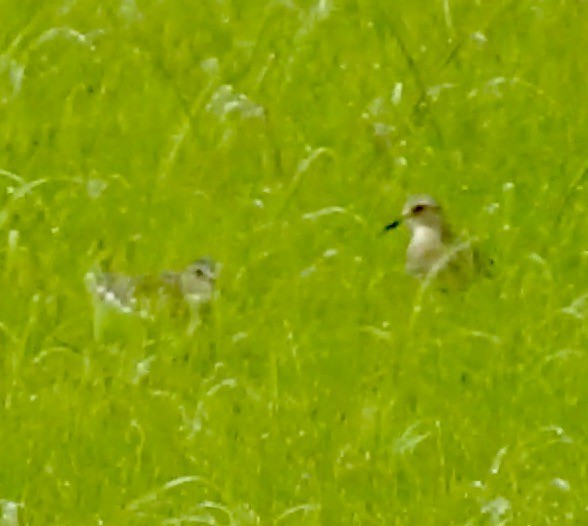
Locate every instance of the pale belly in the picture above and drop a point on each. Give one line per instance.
(451, 265)
(421, 258)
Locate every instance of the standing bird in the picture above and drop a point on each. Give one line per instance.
(433, 251)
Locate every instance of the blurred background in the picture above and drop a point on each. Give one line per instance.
(279, 137)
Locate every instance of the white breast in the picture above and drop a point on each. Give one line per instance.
(424, 250)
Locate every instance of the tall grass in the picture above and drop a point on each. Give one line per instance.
(280, 137)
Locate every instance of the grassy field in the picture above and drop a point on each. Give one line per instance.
(279, 137)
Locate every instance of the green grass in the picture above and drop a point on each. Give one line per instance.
(309, 397)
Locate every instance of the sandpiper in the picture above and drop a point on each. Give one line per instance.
(434, 252)
(141, 295)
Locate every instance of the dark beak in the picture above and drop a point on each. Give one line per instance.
(392, 225)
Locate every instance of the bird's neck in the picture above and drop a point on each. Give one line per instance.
(426, 235)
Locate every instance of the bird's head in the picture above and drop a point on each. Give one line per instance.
(420, 210)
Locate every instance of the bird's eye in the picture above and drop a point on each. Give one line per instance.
(418, 209)
(199, 273)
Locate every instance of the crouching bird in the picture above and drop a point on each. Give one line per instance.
(144, 296)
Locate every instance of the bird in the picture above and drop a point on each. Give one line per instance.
(434, 252)
(145, 295)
